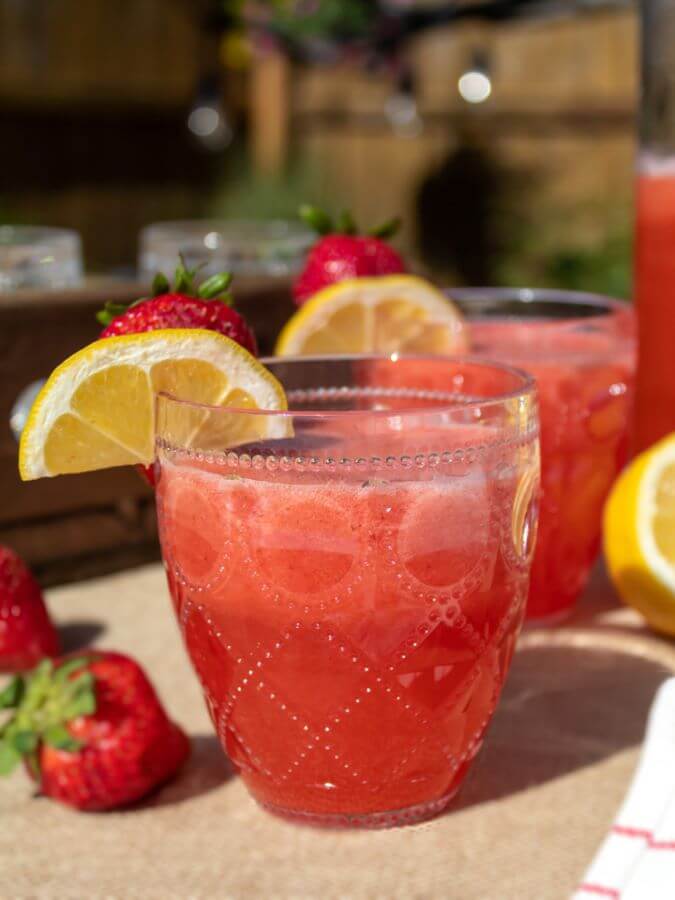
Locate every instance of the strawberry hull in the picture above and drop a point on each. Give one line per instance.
(182, 311)
(187, 305)
(130, 745)
(90, 730)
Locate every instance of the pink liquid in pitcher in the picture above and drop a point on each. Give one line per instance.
(655, 299)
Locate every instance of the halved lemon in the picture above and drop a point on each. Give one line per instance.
(639, 535)
(97, 408)
(389, 314)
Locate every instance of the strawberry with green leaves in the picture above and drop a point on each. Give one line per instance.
(183, 305)
(90, 731)
(342, 253)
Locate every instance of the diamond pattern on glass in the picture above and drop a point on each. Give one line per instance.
(355, 636)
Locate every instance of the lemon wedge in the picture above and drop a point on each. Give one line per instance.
(97, 409)
(388, 314)
(639, 535)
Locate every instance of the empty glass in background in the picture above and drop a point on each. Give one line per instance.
(350, 591)
(582, 350)
(248, 247)
(39, 258)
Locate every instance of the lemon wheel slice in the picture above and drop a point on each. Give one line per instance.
(97, 408)
(397, 313)
(639, 535)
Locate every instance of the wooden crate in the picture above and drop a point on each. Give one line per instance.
(82, 525)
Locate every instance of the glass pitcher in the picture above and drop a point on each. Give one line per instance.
(655, 226)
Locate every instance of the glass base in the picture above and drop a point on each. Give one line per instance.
(387, 819)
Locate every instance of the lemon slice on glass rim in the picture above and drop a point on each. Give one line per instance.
(639, 535)
(386, 314)
(97, 409)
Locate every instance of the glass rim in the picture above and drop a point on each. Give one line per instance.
(27, 235)
(177, 228)
(525, 295)
(527, 388)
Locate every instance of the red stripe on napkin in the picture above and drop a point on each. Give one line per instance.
(626, 831)
(599, 890)
(662, 845)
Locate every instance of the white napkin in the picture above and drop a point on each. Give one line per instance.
(636, 861)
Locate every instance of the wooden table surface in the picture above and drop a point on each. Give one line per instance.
(553, 771)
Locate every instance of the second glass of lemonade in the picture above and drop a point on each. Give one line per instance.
(581, 348)
(351, 577)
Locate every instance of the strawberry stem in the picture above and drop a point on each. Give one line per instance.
(213, 288)
(44, 702)
(110, 311)
(160, 284)
(60, 738)
(387, 229)
(323, 224)
(12, 693)
(317, 219)
(216, 287)
(9, 758)
(346, 223)
(184, 278)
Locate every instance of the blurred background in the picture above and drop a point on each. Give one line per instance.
(502, 131)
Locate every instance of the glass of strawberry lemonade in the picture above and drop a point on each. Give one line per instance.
(582, 350)
(351, 577)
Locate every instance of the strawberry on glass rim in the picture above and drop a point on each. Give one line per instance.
(342, 253)
(183, 305)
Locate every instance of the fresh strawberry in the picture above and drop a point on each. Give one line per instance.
(26, 631)
(183, 306)
(341, 253)
(91, 731)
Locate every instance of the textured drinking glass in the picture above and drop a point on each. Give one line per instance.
(350, 587)
(581, 349)
(242, 247)
(36, 257)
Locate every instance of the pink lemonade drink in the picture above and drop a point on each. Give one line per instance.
(655, 298)
(581, 350)
(350, 595)
(654, 262)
